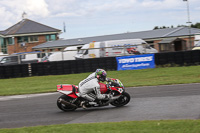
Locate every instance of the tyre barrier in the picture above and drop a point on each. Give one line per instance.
(14, 71)
(182, 58)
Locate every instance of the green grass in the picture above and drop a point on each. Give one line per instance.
(130, 78)
(167, 126)
(146, 77)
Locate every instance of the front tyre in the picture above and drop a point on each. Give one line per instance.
(122, 100)
(62, 106)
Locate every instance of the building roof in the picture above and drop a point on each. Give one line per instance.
(27, 26)
(151, 34)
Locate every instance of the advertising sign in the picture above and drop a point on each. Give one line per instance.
(135, 62)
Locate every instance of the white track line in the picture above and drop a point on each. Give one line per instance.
(5, 98)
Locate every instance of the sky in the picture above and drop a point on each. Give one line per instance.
(86, 18)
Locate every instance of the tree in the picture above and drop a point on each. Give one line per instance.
(162, 27)
(197, 25)
(156, 27)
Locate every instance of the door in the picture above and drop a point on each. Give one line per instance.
(178, 46)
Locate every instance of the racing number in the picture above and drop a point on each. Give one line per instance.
(120, 90)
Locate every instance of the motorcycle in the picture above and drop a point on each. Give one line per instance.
(70, 100)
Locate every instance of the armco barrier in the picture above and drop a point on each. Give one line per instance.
(90, 65)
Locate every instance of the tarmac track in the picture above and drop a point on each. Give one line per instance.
(147, 103)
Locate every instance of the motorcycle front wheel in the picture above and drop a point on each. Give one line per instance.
(64, 107)
(122, 100)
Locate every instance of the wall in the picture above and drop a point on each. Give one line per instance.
(17, 48)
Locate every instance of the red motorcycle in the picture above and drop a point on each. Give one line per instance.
(70, 100)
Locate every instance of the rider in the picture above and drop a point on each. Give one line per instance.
(91, 83)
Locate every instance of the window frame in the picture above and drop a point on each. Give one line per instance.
(51, 37)
(10, 41)
(33, 38)
(23, 39)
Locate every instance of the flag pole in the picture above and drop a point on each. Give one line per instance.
(189, 24)
(64, 30)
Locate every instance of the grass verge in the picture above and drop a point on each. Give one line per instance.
(167, 126)
(130, 78)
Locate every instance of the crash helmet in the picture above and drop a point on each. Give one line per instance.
(101, 74)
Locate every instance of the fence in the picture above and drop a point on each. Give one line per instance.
(90, 65)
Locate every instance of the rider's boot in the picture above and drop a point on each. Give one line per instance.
(83, 105)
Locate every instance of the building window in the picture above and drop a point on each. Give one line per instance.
(4, 50)
(50, 37)
(10, 40)
(164, 47)
(22, 39)
(33, 38)
(60, 49)
(3, 46)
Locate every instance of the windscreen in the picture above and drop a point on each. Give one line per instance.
(197, 44)
(1, 58)
(81, 51)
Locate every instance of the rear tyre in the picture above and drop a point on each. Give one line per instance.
(122, 100)
(63, 107)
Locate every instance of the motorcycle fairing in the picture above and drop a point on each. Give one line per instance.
(118, 89)
(68, 89)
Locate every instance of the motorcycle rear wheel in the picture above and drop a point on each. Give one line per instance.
(122, 100)
(63, 107)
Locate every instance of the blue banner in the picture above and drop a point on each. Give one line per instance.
(135, 62)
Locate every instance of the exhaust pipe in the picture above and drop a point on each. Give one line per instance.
(112, 99)
(66, 103)
(115, 97)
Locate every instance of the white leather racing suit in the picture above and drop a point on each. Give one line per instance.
(91, 84)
